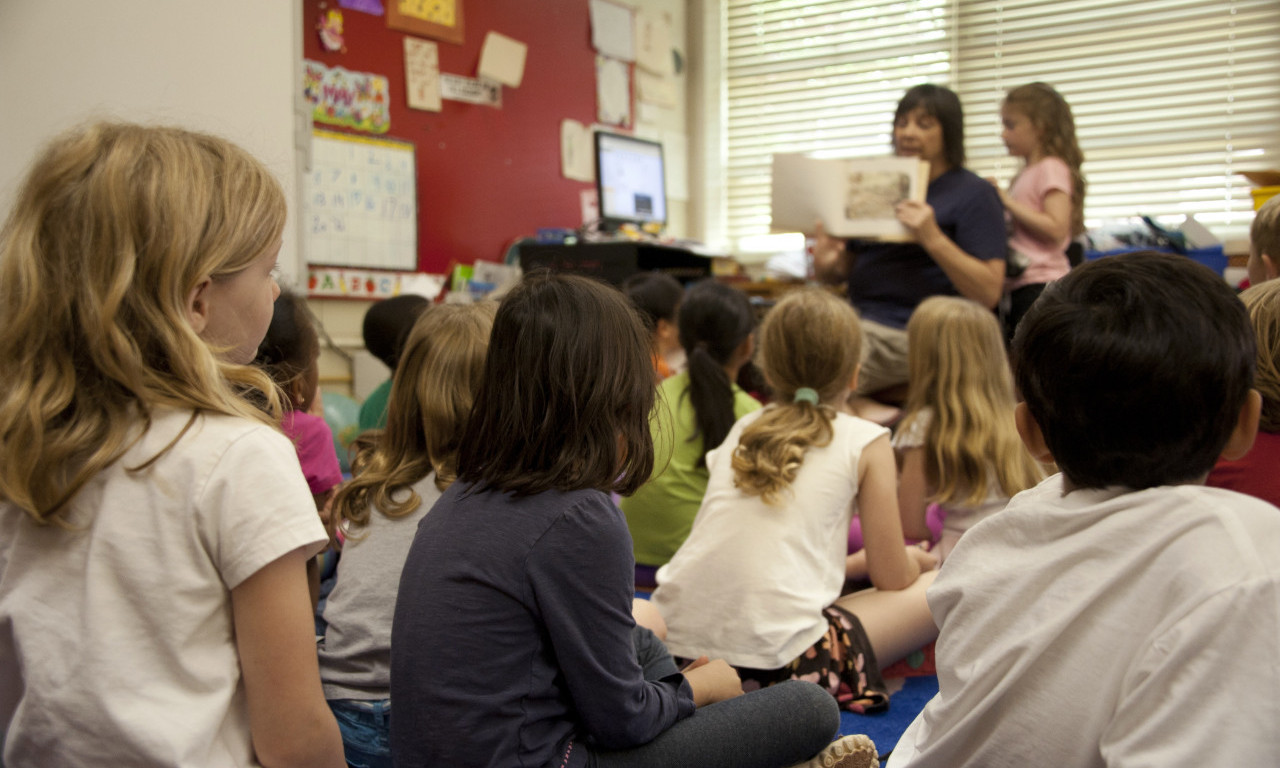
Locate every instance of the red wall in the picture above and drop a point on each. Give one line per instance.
(485, 176)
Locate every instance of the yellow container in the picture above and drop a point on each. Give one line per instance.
(1262, 195)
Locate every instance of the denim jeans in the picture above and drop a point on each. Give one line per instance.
(366, 731)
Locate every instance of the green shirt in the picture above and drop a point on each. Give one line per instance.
(373, 412)
(661, 513)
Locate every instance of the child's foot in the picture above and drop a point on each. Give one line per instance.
(853, 751)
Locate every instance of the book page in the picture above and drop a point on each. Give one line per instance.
(852, 197)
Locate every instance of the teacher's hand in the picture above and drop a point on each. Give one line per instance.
(918, 218)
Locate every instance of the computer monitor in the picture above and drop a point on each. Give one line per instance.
(629, 181)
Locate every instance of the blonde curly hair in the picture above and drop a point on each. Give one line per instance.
(810, 339)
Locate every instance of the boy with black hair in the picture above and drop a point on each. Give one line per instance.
(1120, 613)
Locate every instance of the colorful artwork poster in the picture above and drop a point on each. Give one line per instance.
(341, 97)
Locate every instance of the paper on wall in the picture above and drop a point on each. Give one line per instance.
(502, 59)
(613, 92)
(653, 42)
(472, 90)
(655, 89)
(576, 159)
(422, 74)
(613, 30)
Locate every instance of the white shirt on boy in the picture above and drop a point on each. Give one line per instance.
(1107, 628)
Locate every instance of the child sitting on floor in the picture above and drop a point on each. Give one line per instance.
(957, 446)
(400, 472)
(1119, 613)
(759, 579)
(512, 642)
(657, 295)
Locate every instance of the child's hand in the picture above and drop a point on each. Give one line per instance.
(712, 681)
(923, 557)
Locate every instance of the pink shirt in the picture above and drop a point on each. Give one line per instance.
(1048, 260)
(313, 440)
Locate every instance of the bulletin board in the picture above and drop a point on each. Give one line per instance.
(486, 175)
(360, 206)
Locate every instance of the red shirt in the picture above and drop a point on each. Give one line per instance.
(1257, 473)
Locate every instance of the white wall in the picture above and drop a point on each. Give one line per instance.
(226, 67)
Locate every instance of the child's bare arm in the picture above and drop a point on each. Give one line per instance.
(888, 565)
(913, 494)
(712, 680)
(289, 721)
(1052, 225)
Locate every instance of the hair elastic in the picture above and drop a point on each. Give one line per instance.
(806, 395)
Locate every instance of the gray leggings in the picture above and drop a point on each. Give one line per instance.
(773, 727)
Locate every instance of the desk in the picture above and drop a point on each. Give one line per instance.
(616, 261)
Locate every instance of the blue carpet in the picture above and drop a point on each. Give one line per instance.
(886, 728)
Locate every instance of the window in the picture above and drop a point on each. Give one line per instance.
(1172, 98)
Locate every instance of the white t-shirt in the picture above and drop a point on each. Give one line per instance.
(750, 582)
(1108, 628)
(355, 657)
(116, 637)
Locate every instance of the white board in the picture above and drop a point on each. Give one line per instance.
(360, 208)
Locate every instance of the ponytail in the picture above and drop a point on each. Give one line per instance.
(810, 345)
(714, 320)
(772, 448)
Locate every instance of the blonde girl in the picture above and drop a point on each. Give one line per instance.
(154, 524)
(758, 581)
(399, 474)
(1045, 201)
(957, 444)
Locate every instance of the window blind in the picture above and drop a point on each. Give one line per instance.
(1172, 98)
(819, 77)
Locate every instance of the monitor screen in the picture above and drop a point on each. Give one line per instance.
(629, 180)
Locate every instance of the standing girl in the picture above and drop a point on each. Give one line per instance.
(759, 579)
(512, 640)
(1045, 202)
(154, 524)
(399, 474)
(695, 411)
(957, 444)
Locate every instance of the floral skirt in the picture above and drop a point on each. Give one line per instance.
(841, 661)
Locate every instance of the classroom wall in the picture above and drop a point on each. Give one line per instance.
(226, 67)
(487, 176)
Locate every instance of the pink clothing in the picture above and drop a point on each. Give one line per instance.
(1048, 260)
(313, 441)
(1254, 473)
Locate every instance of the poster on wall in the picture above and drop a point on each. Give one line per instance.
(360, 206)
(437, 19)
(613, 92)
(341, 97)
(422, 74)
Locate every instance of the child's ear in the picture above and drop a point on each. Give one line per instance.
(1246, 430)
(198, 306)
(1032, 437)
(853, 382)
(1269, 267)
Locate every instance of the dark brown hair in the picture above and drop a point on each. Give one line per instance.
(566, 394)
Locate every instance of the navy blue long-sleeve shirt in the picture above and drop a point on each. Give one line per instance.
(512, 644)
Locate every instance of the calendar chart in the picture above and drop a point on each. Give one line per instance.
(360, 207)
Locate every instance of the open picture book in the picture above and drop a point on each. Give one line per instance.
(851, 196)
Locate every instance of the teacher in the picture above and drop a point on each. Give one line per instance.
(957, 246)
